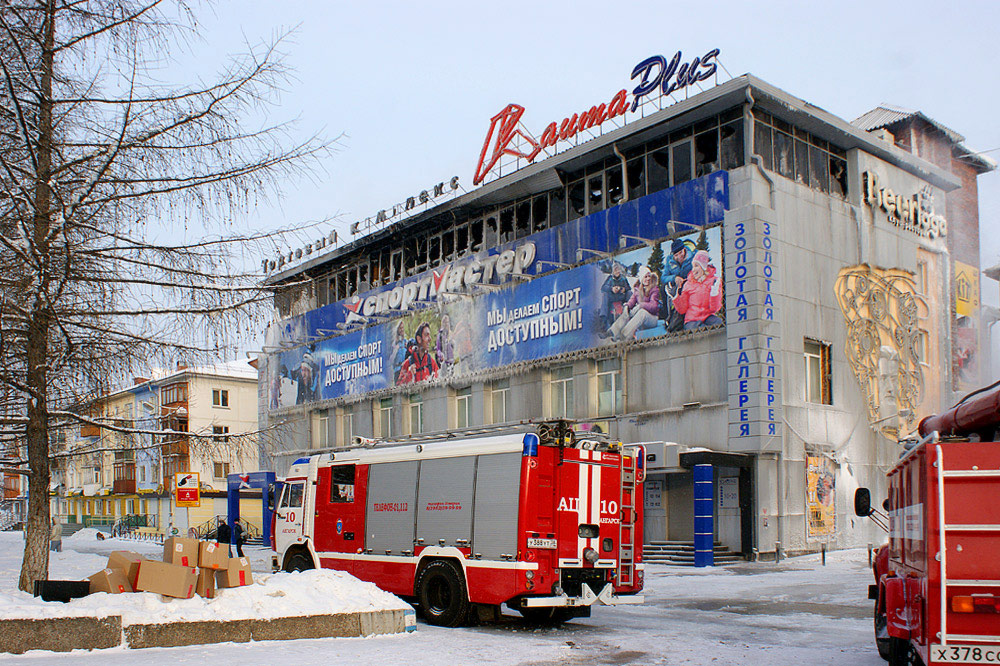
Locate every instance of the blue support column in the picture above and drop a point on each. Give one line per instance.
(704, 502)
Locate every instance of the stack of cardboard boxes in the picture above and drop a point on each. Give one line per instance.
(189, 567)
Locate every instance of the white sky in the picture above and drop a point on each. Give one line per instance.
(413, 85)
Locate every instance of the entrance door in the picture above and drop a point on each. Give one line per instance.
(289, 515)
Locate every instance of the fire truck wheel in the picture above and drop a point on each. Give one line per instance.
(882, 635)
(441, 593)
(900, 653)
(298, 562)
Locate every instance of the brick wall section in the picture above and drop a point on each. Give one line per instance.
(961, 206)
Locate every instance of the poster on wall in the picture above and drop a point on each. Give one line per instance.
(657, 289)
(821, 487)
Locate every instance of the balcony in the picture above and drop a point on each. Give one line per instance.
(124, 482)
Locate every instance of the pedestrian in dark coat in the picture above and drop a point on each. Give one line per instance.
(238, 538)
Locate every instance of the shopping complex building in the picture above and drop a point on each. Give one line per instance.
(726, 273)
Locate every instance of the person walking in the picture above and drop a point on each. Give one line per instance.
(238, 538)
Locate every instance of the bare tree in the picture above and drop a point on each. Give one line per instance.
(105, 177)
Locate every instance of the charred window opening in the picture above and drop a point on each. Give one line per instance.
(461, 240)
(363, 283)
(410, 256)
(435, 251)
(397, 265)
(801, 161)
(731, 140)
(322, 291)
(352, 282)
(838, 176)
(577, 202)
(636, 178)
(595, 194)
(659, 170)
(447, 246)
(762, 144)
(706, 150)
(616, 190)
(680, 158)
(506, 225)
(522, 219)
(784, 159)
(557, 207)
(342, 285)
(492, 232)
(476, 235)
(819, 174)
(539, 213)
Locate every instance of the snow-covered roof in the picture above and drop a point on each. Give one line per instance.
(238, 369)
(886, 115)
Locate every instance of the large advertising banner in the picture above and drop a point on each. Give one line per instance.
(657, 289)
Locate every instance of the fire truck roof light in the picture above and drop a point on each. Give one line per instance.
(530, 448)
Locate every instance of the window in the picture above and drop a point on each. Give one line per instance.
(385, 417)
(817, 372)
(220, 433)
(220, 398)
(292, 497)
(609, 387)
(321, 429)
(342, 484)
(142, 475)
(499, 392)
(174, 393)
(416, 414)
(346, 428)
(561, 386)
(463, 406)
(221, 470)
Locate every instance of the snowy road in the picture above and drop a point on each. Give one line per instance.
(797, 612)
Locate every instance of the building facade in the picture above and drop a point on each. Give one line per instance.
(739, 279)
(201, 420)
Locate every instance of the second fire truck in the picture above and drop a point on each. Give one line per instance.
(937, 591)
(541, 521)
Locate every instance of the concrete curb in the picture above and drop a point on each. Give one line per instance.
(60, 634)
(91, 633)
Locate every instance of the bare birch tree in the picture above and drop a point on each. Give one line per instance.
(106, 176)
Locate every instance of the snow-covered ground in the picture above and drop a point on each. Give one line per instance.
(762, 613)
(270, 595)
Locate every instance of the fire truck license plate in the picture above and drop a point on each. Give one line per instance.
(542, 543)
(965, 654)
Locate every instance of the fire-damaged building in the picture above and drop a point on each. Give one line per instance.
(718, 270)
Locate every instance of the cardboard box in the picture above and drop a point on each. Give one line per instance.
(128, 563)
(180, 551)
(212, 555)
(112, 581)
(206, 583)
(170, 580)
(237, 574)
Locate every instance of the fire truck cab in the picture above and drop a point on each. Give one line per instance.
(540, 521)
(937, 591)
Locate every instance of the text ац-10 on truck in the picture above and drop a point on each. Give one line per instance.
(937, 591)
(539, 521)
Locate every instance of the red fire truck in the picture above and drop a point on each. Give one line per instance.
(937, 596)
(541, 521)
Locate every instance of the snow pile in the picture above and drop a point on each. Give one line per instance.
(86, 534)
(318, 592)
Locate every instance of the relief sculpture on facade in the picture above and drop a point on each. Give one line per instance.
(882, 311)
